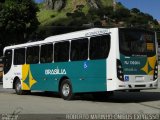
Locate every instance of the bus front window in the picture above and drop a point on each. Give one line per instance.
(136, 42)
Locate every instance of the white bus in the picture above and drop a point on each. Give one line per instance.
(95, 60)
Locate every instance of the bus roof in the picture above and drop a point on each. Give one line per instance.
(78, 34)
(67, 36)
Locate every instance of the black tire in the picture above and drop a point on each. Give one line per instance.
(66, 90)
(18, 88)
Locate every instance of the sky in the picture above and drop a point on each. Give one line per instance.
(147, 6)
(38, 1)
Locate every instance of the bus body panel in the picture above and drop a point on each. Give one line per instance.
(85, 76)
(138, 65)
(138, 72)
(15, 71)
(111, 60)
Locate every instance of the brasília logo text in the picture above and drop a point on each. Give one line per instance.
(55, 71)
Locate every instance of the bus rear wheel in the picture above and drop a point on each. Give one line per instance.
(66, 90)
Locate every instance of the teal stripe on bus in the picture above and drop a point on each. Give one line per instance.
(85, 76)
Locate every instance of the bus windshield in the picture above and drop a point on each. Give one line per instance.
(136, 42)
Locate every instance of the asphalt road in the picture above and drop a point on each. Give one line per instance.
(147, 101)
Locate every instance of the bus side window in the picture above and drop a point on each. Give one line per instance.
(8, 60)
(19, 56)
(99, 47)
(79, 49)
(61, 51)
(32, 55)
(46, 53)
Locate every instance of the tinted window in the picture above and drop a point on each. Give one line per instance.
(46, 53)
(8, 61)
(19, 56)
(143, 41)
(99, 47)
(79, 49)
(61, 52)
(32, 55)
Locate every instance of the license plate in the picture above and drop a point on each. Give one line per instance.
(139, 78)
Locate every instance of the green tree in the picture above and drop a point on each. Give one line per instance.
(135, 10)
(122, 14)
(17, 21)
(78, 17)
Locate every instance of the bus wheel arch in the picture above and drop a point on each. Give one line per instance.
(65, 88)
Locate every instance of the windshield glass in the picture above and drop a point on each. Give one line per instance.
(136, 42)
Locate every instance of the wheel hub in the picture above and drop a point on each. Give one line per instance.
(18, 86)
(66, 89)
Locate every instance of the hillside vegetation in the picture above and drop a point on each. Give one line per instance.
(25, 20)
(53, 17)
(58, 14)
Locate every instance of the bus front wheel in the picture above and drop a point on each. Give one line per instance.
(18, 88)
(66, 90)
